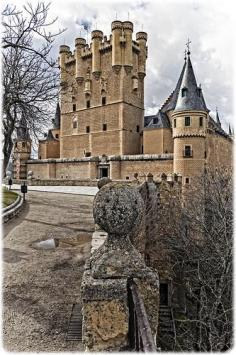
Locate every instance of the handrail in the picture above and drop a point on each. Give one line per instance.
(141, 338)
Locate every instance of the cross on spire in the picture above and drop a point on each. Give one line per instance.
(188, 46)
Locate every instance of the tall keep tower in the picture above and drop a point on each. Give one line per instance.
(189, 123)
(21, 150)
(102, 93)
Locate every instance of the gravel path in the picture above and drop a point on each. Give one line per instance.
(40, 286)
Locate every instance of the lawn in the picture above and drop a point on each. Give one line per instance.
(8, 197)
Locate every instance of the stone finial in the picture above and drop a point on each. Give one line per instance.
(163, 176)
(118, 209)
(149, 177)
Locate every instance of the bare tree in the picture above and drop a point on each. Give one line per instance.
(30, 75)
(201, 251)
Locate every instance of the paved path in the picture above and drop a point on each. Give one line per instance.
(76, 190)
(40, 286)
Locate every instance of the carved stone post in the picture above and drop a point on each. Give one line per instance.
(118, 210)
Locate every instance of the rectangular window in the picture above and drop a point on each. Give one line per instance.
(74, 107)
(186, 180)
(175, 123)
(87, 129)
(187, 121)
(200, 121)
(57, 135)
(74, 124)
(137, 129)
(104, 127)
(188, 151)
(88, 104)
(103, 101)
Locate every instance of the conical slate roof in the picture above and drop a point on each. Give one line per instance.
(57, 120)
(22, 132)
(218, 118)
(190, 96)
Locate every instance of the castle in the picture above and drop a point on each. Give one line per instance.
(100, 129)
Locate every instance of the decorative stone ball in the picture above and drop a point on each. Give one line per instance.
(118, 209)
(103, 181)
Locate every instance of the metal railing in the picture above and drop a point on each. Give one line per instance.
(140, 334)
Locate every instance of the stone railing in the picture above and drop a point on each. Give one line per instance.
(107, 312)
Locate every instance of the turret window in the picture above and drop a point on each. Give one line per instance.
(87, 129)
(137, 128)
(103, 101)
(200, 121)
(74, 124)
(88, 104)
(187, 121)
(23, 144)
(175, 123)
(104, 127)
(184, 92)
(74, 107)
(187, 153)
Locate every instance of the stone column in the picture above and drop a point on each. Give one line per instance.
(118, 210)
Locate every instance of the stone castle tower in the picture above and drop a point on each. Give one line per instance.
(102, 93)
(21, 150)
(189, 126)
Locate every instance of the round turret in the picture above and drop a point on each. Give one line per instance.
(116, 25)
(97, 34)
(128, 25)
(141, 36)
(80, 42)
(64, 49)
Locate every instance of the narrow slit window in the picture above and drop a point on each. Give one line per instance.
(74, 124)
(200, 121)
(74, 107)
(104, 127)
(187, 121)
(87, 129)
(88, 104)
(175, 123)
(103, 101)
(137, 129)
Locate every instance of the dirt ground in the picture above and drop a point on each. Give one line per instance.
(40, 286)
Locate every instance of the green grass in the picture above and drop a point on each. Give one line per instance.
(8, 197)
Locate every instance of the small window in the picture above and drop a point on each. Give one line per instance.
(205, 154)
(155, 120)
(74, 107)
(127, 177)
(187, 121)
(87, 129)
(104, 127)
(57, 135)
(200, 121)
(88, 104)
(137, 128)
(175, 123)
(103, 101)
(23, 144)
(188, 151)
(186, 180)
(184, 92)
(74, 124)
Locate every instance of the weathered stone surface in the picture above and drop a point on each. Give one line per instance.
(118, 209)
(105, 313)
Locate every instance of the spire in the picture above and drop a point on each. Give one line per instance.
(217, 118)
(57, 120)
(22, 132)
(230, 132)
(190, 96)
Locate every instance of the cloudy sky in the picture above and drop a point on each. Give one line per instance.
(208, 24)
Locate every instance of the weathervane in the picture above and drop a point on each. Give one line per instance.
(188, 46)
